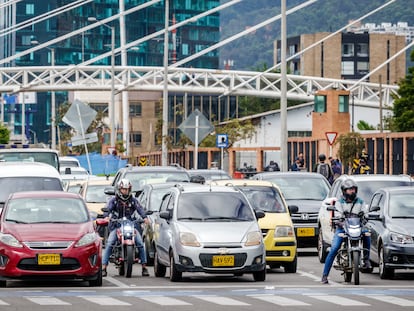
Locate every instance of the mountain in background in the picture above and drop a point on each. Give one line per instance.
(255, 51)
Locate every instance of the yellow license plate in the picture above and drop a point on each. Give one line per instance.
(223, 261)
(305, 232)
(48, 259)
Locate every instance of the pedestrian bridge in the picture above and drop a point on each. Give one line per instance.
(185, 80)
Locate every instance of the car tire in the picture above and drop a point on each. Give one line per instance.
(98, 281)
(291, 267)
(384, 272)
(159, 268)
(3, 283)
(259, 276)
(175, 275)
(322, 247)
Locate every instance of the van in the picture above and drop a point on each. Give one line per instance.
(27, 176)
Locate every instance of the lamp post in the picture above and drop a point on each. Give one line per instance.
(112, 104)
(164, 148)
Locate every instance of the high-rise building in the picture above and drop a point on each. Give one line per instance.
(28, 22)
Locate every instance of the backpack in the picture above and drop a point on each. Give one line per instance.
(323, 169)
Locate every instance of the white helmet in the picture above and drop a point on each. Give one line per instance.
(124, 184)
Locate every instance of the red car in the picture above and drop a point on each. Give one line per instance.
(48, 234)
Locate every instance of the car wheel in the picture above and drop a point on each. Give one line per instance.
(175, 275)
(384, 272)
(159, 268)
(3, 283)
(98, 280)
(259, 276)
(322, 247)
(291, 267)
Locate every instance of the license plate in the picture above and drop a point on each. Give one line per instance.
(223, 261)
(48, 259)
(305, 232)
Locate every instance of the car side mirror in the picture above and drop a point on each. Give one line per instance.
(109, 190)
(374, 208)
(293, 209)
(259, 214)
(149, 212)
(373, 216)
(138, 192)
(165, 215)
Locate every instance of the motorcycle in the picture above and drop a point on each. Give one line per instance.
(124, 252)
(350, 256)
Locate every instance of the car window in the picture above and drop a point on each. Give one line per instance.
(164, 203)
(156, 197)
(96, 194)
(375, 201)
(302, 188)
(367, 188)
(266, 199)
(17, 184)
(215, 206)
(401, 205)
(139, 180)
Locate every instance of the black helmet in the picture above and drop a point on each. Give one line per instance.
(348, 184)
(124, 184)
(322, 157)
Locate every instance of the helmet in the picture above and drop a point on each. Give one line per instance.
(348, 184)
(124, 184)
(322, 157)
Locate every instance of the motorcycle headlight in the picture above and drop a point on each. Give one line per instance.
(253, 238)
(401, 238)
(354, 232)
(88, 238)
(10, 240)
(283, 231)
(189, 239)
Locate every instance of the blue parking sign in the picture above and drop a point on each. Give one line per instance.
(222, 141)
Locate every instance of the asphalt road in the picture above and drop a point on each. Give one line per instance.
(298, 291)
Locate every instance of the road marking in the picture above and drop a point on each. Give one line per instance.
(393, 300)
(280, 300)
(48, 301)
(338, 300)
(165, 301)
(317, 278)
(105, 301)
(117, 283)
(223, 301)
(3, 303)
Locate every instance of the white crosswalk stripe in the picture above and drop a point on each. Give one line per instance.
(223, 301)
(165, 301)
(47, 301)
(338, 300)
(105, 301)
(3, 303)
(280, 300)
(393, 300)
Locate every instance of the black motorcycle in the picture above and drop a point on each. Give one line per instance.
(350, 256)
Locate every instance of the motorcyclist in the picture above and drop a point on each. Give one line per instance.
(348, 204)
(123, 204)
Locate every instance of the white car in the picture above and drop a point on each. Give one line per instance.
(367, 185)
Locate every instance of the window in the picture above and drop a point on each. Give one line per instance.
(362, 49)
(135, 109)
(347, 68)
(136, 138)
(30, 9)
(26, 40)
(320, 103)
(347, 49)
(343, 103)
(362, 67)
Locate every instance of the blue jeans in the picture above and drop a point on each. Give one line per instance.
(336, 244)
(110, 244)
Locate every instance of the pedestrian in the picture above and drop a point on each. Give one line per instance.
(295, 167)
(363, 168)
(272, 167)
(336, 166)
(324, 168)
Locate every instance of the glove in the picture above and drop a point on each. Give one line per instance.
(361, 214)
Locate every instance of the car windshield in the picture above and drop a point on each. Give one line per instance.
(367, 188)
(214, 206)
(17, 184)
(138, 180)
(266, 199)
(96, 194)
(301, 188)
(401, 205)
(42, 210)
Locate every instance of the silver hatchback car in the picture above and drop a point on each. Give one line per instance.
(211, 229)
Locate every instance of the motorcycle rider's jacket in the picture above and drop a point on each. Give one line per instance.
(346, 209)
(118, 209)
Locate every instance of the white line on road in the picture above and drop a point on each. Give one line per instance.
(223, 301)
(165, 301)
(338, 300)
(279, 300)
(393, 300)
(105, 301)
(48, 301)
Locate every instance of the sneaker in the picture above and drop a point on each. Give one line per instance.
(145, 271)
(104, 273)
(324, 279)
(367, 264)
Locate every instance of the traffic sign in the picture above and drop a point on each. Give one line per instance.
(84, 139)
(196, 119)
(222, 140)
(331, 136)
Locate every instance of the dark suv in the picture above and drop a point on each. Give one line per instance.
(142, 175)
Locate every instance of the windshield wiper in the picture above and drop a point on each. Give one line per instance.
(403, 217)
(224, 218)
(191, 218)
(16, 221)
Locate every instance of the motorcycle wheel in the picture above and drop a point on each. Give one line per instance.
(121, 268)
(129, 260)
(355, 263)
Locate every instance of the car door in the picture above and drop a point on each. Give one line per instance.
(162, 234)
(376, 227)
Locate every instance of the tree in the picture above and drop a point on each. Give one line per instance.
(403, 120)
(350, 146)
(4, 134)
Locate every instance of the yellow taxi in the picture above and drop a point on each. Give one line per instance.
(277, 227)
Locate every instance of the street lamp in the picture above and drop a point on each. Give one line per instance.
(112, 105)
(52, 96)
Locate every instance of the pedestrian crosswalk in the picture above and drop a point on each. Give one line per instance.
(304, 299)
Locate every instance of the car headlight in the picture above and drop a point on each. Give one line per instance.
(189, 239)
(253, 238)
(401, 238)
(88, 238)
(283, 231)
(10, 240)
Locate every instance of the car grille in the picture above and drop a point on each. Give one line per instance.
(304, 218)
(49, 245)
(207, 260)
(31, 264)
